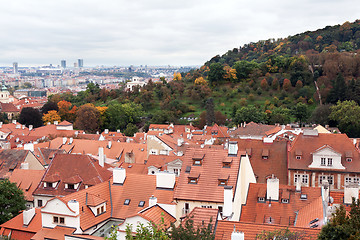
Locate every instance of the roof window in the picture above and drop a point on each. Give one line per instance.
(141, 203)
(127, 201)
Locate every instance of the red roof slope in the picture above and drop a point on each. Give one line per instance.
(27, 180)
(207, 188)
(309, 144)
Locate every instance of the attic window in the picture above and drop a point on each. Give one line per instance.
(303, 197)
(261, 199)
(193, 178)
(298, 157)
(141, 203)
(70, 186)
(285, 200)
(227, 163)
(127, 201)
(265, 154)
(100, 210)
(349, 159)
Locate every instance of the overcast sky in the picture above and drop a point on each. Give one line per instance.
(153, 32)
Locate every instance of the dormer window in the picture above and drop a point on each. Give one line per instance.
(71, 186)
(141, 203)
(223, 179)
(265, 154)
(198, 159)
(285, 200)
(193, 178)
(330, 161)
(227, 162)
(298, 157)
(349, 159)
(127, 201)
(58, 220)
(261, 195)
(298, 154)
(261, 199)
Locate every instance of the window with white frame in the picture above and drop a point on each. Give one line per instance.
(331, 180)
(323, 161)
(356, 179)
(305, 178)
(348, 180)
(330, 161)
(297, 178)
(321, 179)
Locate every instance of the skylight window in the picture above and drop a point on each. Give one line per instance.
(141, 203)
(127, 201)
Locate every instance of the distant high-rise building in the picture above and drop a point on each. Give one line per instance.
(63, 63)
(15, 68)
(80, 63)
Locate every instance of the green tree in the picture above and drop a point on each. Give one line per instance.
(249, 114)
(347, 115)
(281, 234)
(321, 114)
(88, 118)
(301, 112)
(187, 231)
(216, 73)
(48, 106)
(30, 116)
(338, 91)
(210, 114)
(120, 115)
(12, 200)
(130, 130)
(244, 69)
(342, 225)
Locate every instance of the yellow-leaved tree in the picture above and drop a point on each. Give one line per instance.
(177, 76)
(51, 116)
(200, 81)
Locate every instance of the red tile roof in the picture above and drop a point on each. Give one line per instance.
(276, 163)
(276, 212)
(156, 214)
(202, 217)
(53, 233)
(309, 144)
(251, 230)
(72, 168)
(207, 188)
(11, 159)
(27, 180)
(8, 107)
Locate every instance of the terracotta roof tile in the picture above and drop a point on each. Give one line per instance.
(309, 144)
(277, 212)
(275, 163)
(156, 213)
(72, 168)
(11, 159)
(27, 180)
(251, 230)
(202, 217)
(254, 129)
(207, 187)
(53, 233)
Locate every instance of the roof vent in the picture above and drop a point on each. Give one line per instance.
(303, 197)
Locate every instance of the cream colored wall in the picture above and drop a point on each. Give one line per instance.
(34, 163)
(154, 143)
(193, 204)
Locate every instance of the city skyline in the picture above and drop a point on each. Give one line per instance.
(153, 33)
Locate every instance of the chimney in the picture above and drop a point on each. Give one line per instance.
(56, 122)
(152, 201)
(232, 148)
(298, 186)
(180, 142)
(235, 235)
(272, 189)
(75, 206)
(119, 175)
(354, 141)
(228, 195)
(29, 146)
(351, 191)
(101, 156)
(1, 123)
(106, 131)
(28, 216)
(165, 180)
(71, 140)
(76, 133)
(24, 165)
(31, 127)
(118, 130)
(64, 140)
(109, 144)
(14, 121)
(23, 127)
(129, 157)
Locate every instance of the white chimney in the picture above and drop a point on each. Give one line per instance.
(24, 165)
(237, 235)
(64, 140)
(23, 127)
(71, 140)
(14, 121)
(152, 201)
(75, 206)
(48, 123)
(165, 180)
(106, 131)
(28, 216)
(232, 148)
(109, 144)
(76, 133)
(351, 191)
(118, 131)
(56, 122)
(272, 190)
(31, 127)
(29, 146)
(119, 175)
(354, 141)
(228, 195)
(298, 186)
(101, 156)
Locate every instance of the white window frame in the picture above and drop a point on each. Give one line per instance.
(297, 177)
(323, 161)
(330, 161)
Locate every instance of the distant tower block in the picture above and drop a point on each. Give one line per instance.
(15, 68)
(63, 63)
(80, 63)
